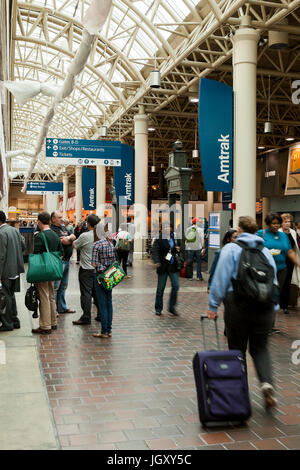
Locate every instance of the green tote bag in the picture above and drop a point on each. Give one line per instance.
(47, 266)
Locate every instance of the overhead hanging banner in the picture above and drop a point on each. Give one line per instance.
(124, 177)
(293, 172)
(270, 175)
(44, 187)
(88, 181)
(215, 118)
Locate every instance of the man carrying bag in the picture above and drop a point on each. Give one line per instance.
(46, 243)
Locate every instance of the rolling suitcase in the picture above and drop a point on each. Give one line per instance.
(221, 384)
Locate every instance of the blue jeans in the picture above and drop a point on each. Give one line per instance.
(104, 298)
(191, 255)
(60, 289)
(161, 284)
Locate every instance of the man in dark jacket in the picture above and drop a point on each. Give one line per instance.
(11, 266)
(163, 255)
(60, 287)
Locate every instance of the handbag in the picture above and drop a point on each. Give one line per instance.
(179, 260)
(44, 267)
(2, 302)
(111, 277)
(31, 298)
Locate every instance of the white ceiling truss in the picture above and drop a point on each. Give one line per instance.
(185, 43)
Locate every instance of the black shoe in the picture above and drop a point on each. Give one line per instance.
(54, 327)
(173, 311)
(17, 326)
(98, 319)
(286, 312)
(81, 322)
(157, 312)
(5, 328)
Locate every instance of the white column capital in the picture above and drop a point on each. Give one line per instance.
(245, 46)
(141, 124)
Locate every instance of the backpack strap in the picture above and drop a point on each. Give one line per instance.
(245, 245)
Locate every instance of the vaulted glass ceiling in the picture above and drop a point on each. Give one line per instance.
(185, 39)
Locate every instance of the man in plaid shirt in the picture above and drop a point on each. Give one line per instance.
(102, 257)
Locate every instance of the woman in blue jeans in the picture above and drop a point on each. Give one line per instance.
(163, 254)
(103, 256)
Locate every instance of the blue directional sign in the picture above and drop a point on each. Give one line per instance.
(83, 152)
(44, 187)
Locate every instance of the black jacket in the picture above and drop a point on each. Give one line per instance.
(160, 249)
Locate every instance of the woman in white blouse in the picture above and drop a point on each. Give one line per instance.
(293, 272)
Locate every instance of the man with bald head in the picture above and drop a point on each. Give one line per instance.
(60, 286)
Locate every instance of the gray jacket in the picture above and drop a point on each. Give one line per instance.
(11, 247)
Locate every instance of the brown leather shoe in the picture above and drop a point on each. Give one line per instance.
(41, 332)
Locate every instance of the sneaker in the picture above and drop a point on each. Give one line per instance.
(191, 278)
(199, 278)
(157, 312)
(286, 312)
(275, 331)
(268, 393)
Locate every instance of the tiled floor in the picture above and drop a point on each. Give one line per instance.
(136, 390)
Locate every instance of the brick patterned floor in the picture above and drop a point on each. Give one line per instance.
(136, 390)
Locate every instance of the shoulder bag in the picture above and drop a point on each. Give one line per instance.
(43, 267)
(111, 277)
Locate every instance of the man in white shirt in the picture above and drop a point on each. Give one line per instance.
(85, 243)
(194, 243)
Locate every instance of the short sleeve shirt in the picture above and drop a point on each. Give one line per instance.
(279, 244)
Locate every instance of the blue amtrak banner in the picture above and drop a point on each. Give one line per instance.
(88, 181)
(216, 134)
(124, 177)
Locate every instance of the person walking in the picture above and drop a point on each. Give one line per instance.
(292, 280)
(194, 244)
(47, 307)
(244, 320)
(123, 247)
(12, 246)
(103, 256)
(60, 286)
(131, 231)
(280, 248)
(85, 244)
(164, 252)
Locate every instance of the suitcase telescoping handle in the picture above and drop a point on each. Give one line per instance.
(202, 318)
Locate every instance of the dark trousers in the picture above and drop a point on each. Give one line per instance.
(106, 308)
(87, 292)
(245, 324)
(161, 284)
(123, 257)
(10, 318)
(284, 280)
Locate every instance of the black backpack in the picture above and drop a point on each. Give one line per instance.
(31, 298)
(254, 283)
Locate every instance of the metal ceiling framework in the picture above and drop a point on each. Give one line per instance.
(185, 43)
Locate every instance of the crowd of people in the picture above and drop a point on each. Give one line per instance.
(246, 320)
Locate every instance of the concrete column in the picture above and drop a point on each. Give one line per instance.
(244, 86)
(78, 194)
(141, 183)
(101, 190)
(210, 201)
(50, 203)
(65, 195)
(265, 209)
